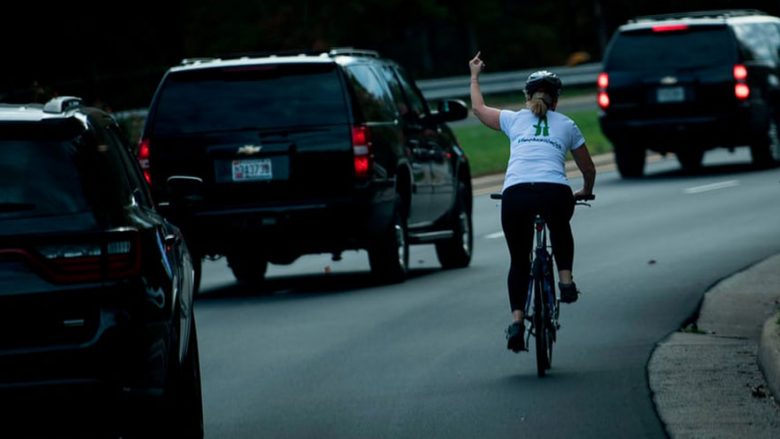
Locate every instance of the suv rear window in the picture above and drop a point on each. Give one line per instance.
(250, 97)
(46, 174)
(696, 47)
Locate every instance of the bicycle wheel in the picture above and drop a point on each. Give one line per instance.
(540, 328)
(550, 310)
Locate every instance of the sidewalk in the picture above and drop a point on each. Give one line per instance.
(716, 379)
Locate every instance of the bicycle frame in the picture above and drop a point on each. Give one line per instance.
(542, 312)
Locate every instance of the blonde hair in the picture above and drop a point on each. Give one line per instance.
(539, 103)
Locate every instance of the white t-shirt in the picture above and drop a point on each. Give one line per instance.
(538, 146)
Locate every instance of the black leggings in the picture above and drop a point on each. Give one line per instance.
(519, 206)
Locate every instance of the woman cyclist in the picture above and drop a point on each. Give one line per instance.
(536, 182)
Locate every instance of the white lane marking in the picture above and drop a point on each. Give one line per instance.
(495, 235)
(712, 187)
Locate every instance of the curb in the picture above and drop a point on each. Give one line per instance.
(769, 354)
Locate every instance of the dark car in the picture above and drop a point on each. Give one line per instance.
(685, 83)
(265, 159)
(96, 287)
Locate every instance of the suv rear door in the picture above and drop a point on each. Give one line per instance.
(254, 132)
(413, 111)
(436, 150)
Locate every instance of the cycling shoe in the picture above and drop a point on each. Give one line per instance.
(569, 292)
(515, 337)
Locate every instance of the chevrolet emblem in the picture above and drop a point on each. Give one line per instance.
(249, 149)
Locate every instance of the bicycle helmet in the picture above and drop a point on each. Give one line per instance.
(543, 80)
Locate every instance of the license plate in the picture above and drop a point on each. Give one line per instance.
(250, 170)
(670, 94)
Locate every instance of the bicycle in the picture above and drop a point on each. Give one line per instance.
(542, 308)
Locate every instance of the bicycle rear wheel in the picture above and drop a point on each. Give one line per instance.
(550, 311)
(540, 329)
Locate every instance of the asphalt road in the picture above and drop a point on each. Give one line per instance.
(325, 352)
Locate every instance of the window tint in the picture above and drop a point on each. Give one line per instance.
(754, 39)
(395, 90)
(416, 101)
(373, 97)
(651, 51)
(43, 174)
(250, 97)
(138, 186)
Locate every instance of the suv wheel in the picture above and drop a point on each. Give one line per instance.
(630, 160)
(766, 152)
(389, 256)
(690, 158)
(249, 269)
(456, 251)
(183, 396)
(189, 401)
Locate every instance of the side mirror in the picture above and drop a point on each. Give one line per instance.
(450, 110)
(185, 190)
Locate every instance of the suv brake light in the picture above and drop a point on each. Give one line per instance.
(603, 98)
(670, 27)
(741, 89)
(361, 148)
(144, 152)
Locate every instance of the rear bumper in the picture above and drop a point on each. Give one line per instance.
(109, 350)
(285, 231)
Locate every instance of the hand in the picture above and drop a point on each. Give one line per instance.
(476, 65)
(583, 195)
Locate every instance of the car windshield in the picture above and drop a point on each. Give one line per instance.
(250, 97)
(696, 47)
(51, 174)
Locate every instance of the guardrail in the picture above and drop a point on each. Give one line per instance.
(458, 86)
(503, 82)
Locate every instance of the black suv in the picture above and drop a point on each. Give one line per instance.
(96, 287)
(264, 159)
(686, 83)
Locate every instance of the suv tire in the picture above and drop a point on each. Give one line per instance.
(630, 160)
(249, 269)
(456, 252)
(389, 256)
(182, 415)
(188, 396)
(766, 151)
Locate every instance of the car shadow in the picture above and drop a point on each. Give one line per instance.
(706, 170)
(291, 287)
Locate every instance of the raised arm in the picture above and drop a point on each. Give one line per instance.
(585, 164)
(487, 115)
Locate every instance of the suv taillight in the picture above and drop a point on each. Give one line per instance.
(144, 152)
(114, 257)
(603, 97)
(741, 88)
(361, 148)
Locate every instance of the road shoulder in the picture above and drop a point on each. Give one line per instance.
(708, 381)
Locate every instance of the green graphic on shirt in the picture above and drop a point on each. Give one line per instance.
(542, 130)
